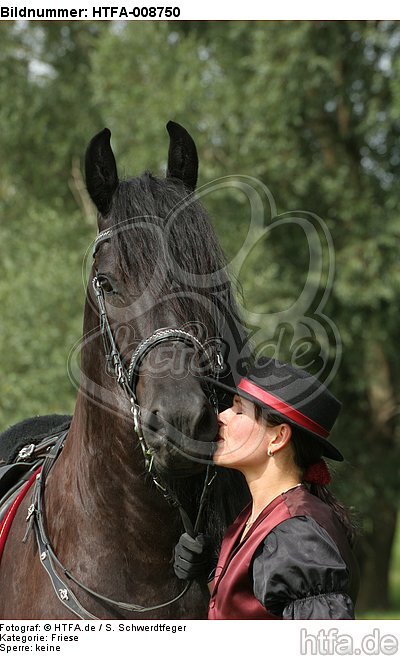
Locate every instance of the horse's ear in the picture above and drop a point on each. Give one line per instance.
(101, 171)
(183, 162)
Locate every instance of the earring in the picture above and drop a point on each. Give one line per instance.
(270, 453)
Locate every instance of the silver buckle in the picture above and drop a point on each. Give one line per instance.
(31, 510)
(26, 452)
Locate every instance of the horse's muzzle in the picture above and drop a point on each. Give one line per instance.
(180, 439)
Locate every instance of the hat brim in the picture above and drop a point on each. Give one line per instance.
(329, 451)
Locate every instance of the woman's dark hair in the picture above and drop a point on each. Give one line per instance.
(307, 452)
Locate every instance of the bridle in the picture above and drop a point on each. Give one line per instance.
(127, 379)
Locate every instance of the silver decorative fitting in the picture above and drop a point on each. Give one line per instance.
(150, 462)
(31, 510)
(158, 484)
(135, 411)
(136, 421)
(43, 556)
(63, 592)
(96, 286)
(38, 476)
(26, 452)
(220, 361)
(120, 375)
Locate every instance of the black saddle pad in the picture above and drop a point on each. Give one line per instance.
(30, 431)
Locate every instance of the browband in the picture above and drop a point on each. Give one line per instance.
(104, 235)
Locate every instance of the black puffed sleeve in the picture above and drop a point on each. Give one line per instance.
(299, 574)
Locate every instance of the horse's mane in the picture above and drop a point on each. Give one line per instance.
(228, 495)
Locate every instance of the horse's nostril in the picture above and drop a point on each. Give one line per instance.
(154, 420)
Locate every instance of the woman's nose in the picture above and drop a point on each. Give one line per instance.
(223, 416)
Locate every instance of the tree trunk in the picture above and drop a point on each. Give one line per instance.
(377, 540)
(374, 553)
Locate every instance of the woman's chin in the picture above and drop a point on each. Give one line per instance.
(222, 458)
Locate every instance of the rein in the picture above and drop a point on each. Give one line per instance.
(127, 379)
(49, 559)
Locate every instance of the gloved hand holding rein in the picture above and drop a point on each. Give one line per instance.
(192, 557)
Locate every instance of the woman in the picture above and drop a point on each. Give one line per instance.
(288, 555)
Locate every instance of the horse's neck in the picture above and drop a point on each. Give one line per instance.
(98, 488)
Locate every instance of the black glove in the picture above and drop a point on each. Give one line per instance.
(192, 557)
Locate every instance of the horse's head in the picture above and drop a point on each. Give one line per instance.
(157, 267)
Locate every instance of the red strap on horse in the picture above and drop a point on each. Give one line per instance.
(7, 521)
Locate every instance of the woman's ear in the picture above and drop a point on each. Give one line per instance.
(283, 434)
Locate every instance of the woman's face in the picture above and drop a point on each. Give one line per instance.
(241, 440)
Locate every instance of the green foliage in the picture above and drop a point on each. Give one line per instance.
(46, 103)
(42, 298)
(43, 82)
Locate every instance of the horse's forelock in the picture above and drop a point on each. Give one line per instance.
(158, 223)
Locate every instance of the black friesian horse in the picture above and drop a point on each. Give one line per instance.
(105, 514)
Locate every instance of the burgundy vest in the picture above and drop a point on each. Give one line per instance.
(232, 597)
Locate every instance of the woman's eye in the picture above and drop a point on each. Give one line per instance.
(105, 284)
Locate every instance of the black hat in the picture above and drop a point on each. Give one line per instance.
(293, 394)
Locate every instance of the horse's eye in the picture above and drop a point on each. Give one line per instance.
(105, 284)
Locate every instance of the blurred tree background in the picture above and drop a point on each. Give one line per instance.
(310, 109)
